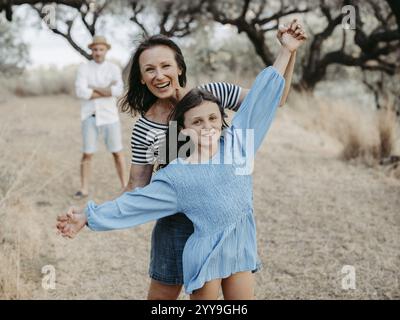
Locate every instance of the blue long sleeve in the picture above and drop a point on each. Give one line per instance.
(157, 200)
(258, 108)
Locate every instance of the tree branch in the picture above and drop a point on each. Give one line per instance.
(245, 8)
(137, 9)
(254, 28)
(279, 15)
(182, 19)
(7, 4)
(66, 35)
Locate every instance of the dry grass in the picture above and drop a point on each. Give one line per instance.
(20, 241)
(388, 131)
(19, 236)
(27, 171)
(46, 81)
(367, 136)
(381, 143)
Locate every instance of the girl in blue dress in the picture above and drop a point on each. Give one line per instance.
(210, 182)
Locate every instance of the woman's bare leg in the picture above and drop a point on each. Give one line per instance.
(161, 291)
(209, 291)
(239, 286)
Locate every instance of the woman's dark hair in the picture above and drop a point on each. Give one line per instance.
(138, 98)
(192, 99)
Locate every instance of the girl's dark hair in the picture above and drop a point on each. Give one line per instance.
(192, 99)
(138, 98)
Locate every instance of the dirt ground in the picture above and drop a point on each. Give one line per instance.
(315, 214)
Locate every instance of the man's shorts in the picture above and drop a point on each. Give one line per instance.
(111, 134)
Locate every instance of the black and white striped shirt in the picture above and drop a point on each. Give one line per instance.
(147, 135)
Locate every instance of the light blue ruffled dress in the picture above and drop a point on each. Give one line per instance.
(216, 196)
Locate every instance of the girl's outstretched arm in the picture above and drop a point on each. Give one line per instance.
(155, 201)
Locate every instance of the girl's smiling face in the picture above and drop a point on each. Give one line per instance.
(203, 124)
(159, 71)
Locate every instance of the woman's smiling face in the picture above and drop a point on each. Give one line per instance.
(159, 71)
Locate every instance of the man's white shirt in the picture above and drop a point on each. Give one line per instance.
(100, 75)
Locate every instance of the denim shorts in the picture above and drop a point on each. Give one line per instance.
(167, 242)
(111, 134)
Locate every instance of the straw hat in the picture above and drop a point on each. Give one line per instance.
(99, 40)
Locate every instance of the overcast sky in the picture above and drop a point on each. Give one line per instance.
(48, 48)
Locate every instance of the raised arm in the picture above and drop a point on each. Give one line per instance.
(288, 78)
(258, 108)
(282, 60)
(295, 29)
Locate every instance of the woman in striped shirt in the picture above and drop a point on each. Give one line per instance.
(157, 81)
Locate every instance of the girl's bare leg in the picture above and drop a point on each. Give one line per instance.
(209, 291)
(239, 286)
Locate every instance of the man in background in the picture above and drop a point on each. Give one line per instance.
(98, 84)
